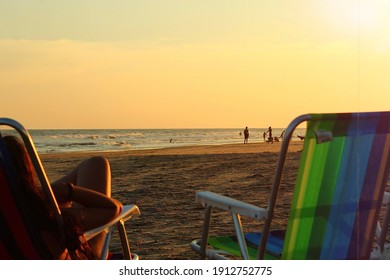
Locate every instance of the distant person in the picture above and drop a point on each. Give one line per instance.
(246, 135)
(264, 134)
(270, 138)
(269, 131)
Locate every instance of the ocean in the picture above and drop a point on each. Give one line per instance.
(73, 140)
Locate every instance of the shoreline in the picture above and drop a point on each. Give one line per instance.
(186, 150)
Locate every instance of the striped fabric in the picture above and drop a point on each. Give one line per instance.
(341, 179)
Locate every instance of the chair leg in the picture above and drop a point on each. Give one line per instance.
(205, 233)
(124, 240)
(240, 236)
(385, 224)
(106, 243)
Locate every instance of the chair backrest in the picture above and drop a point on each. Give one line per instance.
(19, 238)
(341, 180)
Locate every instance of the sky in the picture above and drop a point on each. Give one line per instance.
(190, 64)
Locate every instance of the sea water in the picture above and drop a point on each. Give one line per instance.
(71, 140)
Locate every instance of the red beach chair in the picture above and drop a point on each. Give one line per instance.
(19, 237)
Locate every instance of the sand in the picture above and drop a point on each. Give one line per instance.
(163, 184)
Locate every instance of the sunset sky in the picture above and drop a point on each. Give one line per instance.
(191, 63)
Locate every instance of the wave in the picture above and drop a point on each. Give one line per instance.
(78, 144)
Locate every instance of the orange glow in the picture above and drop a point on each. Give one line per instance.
(247, 65)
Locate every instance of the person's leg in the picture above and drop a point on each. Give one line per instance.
(95, 174)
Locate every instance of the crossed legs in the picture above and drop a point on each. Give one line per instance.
(94, 174)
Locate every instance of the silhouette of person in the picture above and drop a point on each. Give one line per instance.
(246, 135)
(270, 138)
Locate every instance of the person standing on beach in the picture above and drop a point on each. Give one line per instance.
(246, 135)
(270, 139)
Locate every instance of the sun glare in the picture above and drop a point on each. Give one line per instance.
(362, 14)
(366, 14)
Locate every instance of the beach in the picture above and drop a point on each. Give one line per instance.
(163, 183)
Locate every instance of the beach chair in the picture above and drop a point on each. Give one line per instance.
(337, 197)
(19, 238)
(381, 249)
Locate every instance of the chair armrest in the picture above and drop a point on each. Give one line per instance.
(230, 205)
(128, 211)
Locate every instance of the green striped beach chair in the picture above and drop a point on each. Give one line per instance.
(337, 197)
